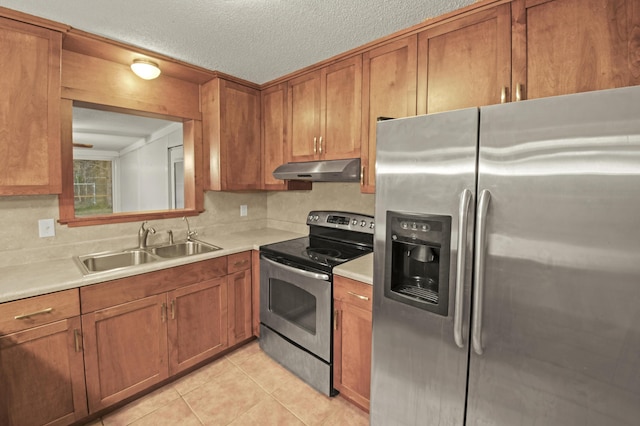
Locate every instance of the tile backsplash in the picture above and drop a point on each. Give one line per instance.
(21, 244)
(288, 210)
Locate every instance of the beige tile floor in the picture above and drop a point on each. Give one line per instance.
(245, 387)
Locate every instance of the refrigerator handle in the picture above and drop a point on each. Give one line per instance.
(481, 230)
(465, 201)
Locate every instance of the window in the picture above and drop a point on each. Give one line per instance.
(92, 187)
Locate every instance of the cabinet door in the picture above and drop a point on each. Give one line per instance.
(239, 306)
(30, 110)
(125, 350)
(352, 340)
(274, 130)
(255, 292)
(42, 375)
(241, 296)
(231, 133)
(571, 46)
(341, 110)
(352, 349)
(304, 116)
(389, 90)
(240, 133)
(197, 323)
(275, 146)
(465, 62)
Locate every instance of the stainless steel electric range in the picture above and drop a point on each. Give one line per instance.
(296, 293)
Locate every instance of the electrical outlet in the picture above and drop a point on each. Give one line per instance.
(46, 228)
(243, 210)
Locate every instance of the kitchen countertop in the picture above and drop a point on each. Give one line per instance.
(360, 269)
(34, 279)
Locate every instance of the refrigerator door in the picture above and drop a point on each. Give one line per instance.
(426, 166)
(559, 288)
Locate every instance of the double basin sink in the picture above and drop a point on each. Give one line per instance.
(109, 261)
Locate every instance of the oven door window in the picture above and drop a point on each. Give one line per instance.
(293, 304)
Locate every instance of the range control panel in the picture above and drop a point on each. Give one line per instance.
(341, 220)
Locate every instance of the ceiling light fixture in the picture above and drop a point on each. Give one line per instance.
(145, 69)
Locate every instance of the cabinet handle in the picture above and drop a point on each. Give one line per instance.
(315, 145)
(503, 95)
(320, 145)
(335, 319)
(32, 314)
(173, 309)
(362, 175)
(518, 92)
(76, 336)
(358, 295)
(243, 262)
(163, 312)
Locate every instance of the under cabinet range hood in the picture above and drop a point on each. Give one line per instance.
(321, 171)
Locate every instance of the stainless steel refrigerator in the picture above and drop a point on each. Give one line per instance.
(507, 265)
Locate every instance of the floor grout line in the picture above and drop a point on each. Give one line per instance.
(192, 410)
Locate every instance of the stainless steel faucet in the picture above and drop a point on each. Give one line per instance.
(142, 235)
(190, 233)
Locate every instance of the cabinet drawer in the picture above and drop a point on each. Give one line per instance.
(239, 262)
(34, 311)
(352, 292)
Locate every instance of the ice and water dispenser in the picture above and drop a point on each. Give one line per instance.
(417, 260)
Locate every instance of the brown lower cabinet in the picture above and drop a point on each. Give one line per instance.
(58, 359)
(41, 367)
(141, 330)
(239, 297)
(125, 349)
(352, 340)
(197, 323)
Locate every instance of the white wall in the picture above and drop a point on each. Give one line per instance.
(144, 174)
(128, 183)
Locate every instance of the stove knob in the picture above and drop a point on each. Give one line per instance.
(354, 222)
(316, 217)
(363, 223)
(310, 217)
(371, 225)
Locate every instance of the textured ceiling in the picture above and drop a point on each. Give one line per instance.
(257, 40)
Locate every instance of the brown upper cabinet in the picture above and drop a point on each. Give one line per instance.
(570, 46)
(30, 110)
(274, 130)
(465, 62)
(231, 135)
(274, 138)
(324, 108)
(389, 90)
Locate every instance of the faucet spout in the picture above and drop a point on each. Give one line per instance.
(190, 233)
(143, 233)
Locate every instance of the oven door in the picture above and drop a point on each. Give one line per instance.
(296, 303)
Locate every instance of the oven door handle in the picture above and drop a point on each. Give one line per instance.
(309, 274)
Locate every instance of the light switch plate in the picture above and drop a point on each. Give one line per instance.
(46, 228)
(243, 210)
